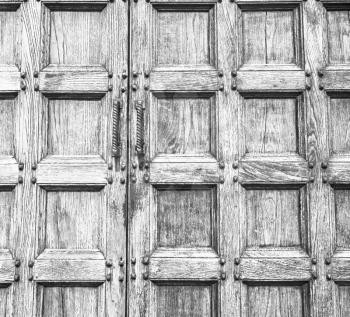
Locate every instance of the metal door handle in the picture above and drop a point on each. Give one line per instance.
(140, 127)
(116, 138)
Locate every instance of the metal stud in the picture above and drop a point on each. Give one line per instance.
(233, 86)
(34, 167)
(134, 165)
(310, 164)
(147, 74)
(145, 276)
(237, 276)
(222, 261)
(320, 86)
(223, 275)
(146, 87)
(122, 166)
(235, 164)
(110, 166)
(145, 260)
(134, 74)
(307, 73)
(324, 164)
(20, 179)
(33, 180)
(123, 89)
(30, 277)
(21, 166)
(222, 179)
(146, 178)
(233, 73)
(235, 179)
(36, 74)
(146, 165)
(110, 180)
(134, 87)
(237, 261)
(124, 75)
(121, 278)
(133, 260)
(320, 73)
(220, 73)
(121, 262)
(221, 88)
(16, 278)
(23, 85)
(324, 179)
(314, 261)
(328, 261)
(17, 263)
(329, 277)
(222, 164)
(110, 87)
(308, 86)
(23, 74)
(133, 276)
(108, 276)
(314, 275)
(133, 179)
(36, 87)
(109, 263)
(110, 74)
(122, 180)
(311, 179)
(31, 263)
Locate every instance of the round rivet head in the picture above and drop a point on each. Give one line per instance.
(21, 166)
(320, 73)
(222, 164)
(121, 262)
(235, 164)
(237, 277)
(220, 73)
(122, 180)
(145, 260)
(124, 75)
(109, 263)
(310, 164)
(16, 277)
(17, 263)
(23, 85)
(324, 179)
(146, 165)
(123, 89)
(233, 73)
(328, 261)
(147, 74)
(33, 180)
(307, 73)
(237, 261)
(23, 74)
(133, 179)
(223, 275)
(110, 74)
(235, 179)
(233, 86)
(110, 180)
(30, 277)
(34, 167)
(108, 276)
(146, 178)
(36, 74)
(328, 277)
(324, 164)
(134, 87)
(222, 261)
(20, 179)
(110, 87)
(133, 276)
(133, 260)
(311, 179)
(123, 166)
(121, 278)
(308, 86)
(134, 164)
(145, 276)
(314, 275)
(31, 263)
(222, 179)
(320, 86)
(110, 166)
(314, 261)
(134, 73)
(221, 88)
(146, 87)
(36, 87)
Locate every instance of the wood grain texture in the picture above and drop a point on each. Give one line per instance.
(342, 218)
(7, 126)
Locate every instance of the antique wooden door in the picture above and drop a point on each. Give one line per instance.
(63, 80)
(239, 150)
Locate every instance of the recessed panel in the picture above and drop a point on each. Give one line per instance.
(276, 301)
(75, 37)
(269, 37)
(185, 124)
(187, 300)
(7, 126)
(6, 214)
(340, 125)
(74, 127)
(273, 218)
(73, 220)
(5, 301)
(9, 43)
(184, 36)
(68, 301)
(270, 125)
(186, 217)
(342, 217)
(338, 37)
(344, 300)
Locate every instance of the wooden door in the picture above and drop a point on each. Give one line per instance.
(63, 158)
(239, 158)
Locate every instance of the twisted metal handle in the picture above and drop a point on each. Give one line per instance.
(116, 138)
(140, 122)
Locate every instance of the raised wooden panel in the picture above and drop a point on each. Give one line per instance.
(276, 300)
(67, 301)
(186, 300)
(270, 36)
(186, 216)
(273, 218)
(74, 126)
(339, 118)
(7, 125)
(344, 300)
(73, 220)
(5, 300)
(270, 125)
(185, 124)
(184, 35)
(338, 36)
(76, 37)
(342, 217)
(7, 200)
(9, 34)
